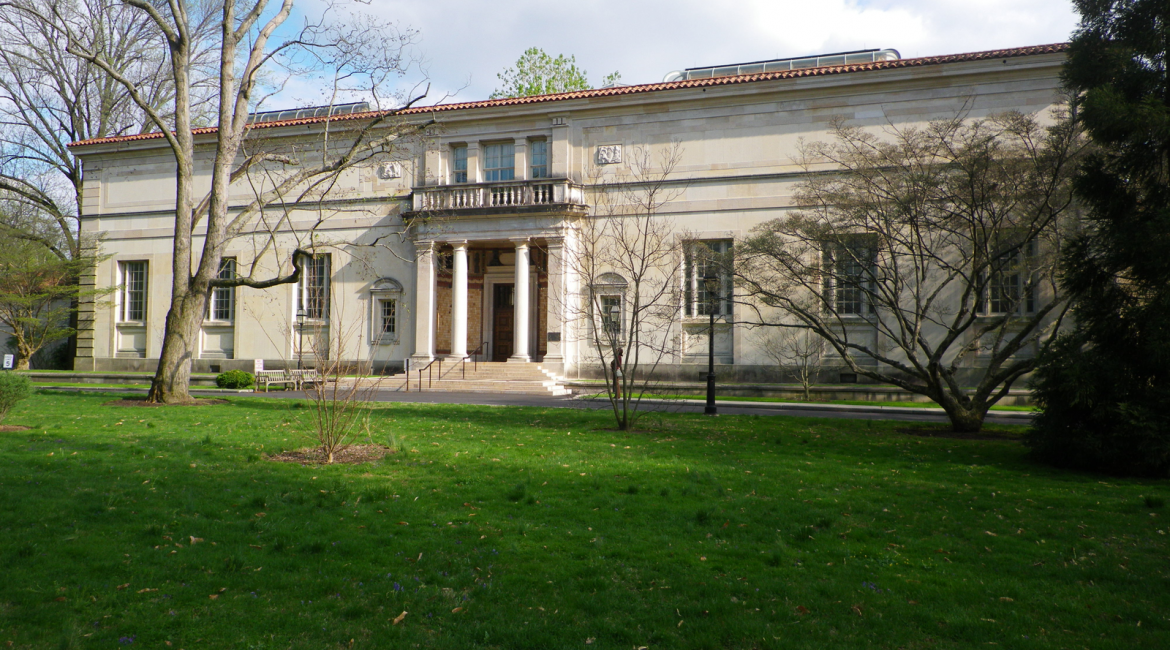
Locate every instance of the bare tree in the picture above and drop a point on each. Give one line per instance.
(627, 258)
(49, 98)
(355, 55)
(925, 257)
(797, 350)
(339, 387)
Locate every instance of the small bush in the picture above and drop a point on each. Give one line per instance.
(234, 379)
(13, 388)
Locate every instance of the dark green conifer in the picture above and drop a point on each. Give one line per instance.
(1105, 387)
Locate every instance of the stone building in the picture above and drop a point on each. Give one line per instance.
(511, 180)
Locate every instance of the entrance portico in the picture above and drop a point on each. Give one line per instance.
(497, 299)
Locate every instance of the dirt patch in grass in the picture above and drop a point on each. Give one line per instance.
(141, 401)
(12, 428)
(946, 432)
(352, 455)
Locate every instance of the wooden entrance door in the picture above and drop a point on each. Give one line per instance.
(503, 316)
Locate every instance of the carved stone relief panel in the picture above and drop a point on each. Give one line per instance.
(609, 154)
(389, 170)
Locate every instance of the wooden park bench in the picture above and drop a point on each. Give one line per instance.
(266, 378)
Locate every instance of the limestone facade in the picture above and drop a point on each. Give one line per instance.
(495, 196)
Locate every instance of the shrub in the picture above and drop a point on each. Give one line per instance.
(13, 388)
(234, 379)
(1098, 413)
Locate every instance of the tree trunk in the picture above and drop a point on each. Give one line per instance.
(22, 363)
(965, 419)
(172, 380)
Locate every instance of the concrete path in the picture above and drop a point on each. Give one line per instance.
(905, 414)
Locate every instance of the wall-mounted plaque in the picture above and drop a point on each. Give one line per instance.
(609, 154)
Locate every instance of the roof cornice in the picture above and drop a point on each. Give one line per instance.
(1034, 50)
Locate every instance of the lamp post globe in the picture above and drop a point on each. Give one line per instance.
(711, 284)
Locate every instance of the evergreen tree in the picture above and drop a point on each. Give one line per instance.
(1105, 387)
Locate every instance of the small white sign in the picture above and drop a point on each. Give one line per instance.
(257, 366)
(9, 361)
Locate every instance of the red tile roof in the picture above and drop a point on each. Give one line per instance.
(633, 90)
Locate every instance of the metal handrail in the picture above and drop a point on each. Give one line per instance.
(475, 360)
(430, 377)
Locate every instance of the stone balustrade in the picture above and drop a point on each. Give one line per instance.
(517, 194)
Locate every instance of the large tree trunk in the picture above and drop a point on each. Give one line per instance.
(22, 363)
(172, 380)
(965, 419)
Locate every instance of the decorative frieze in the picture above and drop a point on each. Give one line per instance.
(609, 154)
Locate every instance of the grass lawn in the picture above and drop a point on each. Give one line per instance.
(780, 400)
(543, 528)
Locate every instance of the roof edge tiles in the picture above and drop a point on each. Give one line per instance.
(1033, 50)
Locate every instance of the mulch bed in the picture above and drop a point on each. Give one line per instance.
(352, 455)
(141, 401)
(12, 428)
(936, 432)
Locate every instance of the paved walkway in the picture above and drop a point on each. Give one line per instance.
(905, 414)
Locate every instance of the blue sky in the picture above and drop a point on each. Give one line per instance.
(464, 43)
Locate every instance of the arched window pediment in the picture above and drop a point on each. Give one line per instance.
(386, 285)
(611, 281)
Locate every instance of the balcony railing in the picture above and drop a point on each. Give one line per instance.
(511, 194)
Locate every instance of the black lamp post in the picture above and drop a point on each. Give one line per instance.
(711, 283)
(300, 337)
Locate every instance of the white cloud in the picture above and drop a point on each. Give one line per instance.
(465, 43)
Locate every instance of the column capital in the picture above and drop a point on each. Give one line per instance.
(424, 244)
(554, 242)
(458, 243)
(520, 241)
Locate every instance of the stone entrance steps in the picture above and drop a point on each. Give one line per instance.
(488, 377)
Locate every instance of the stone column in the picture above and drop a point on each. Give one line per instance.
(474, 165)
(559, 153)
(520, 302)
(556, 301)
(459, 301)
(424, 302)
(520, 150)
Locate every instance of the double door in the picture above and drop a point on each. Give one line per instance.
(503, 320)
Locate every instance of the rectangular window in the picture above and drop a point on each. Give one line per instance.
(611, 315)
(1009, 288)
(386, 310)
(538, 150)
(704, 260)
(313, 290)
(499, 162)
(223, 299)
(850, 270)
(133, 291)
(459, 164)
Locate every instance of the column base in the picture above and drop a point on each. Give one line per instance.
(519, 358)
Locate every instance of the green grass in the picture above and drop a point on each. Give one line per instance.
(780, 400)
(79, 384)
(546, 529)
